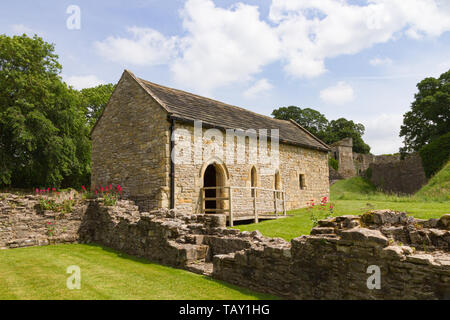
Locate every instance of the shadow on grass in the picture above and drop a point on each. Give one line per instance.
(242, 290)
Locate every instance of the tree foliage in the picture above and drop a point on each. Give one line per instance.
(43, 133)
(435, 154)
(429, 117)
(94, 101)
(310, 119)
(342, 128)
(330, 132)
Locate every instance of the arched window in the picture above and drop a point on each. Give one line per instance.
(253, 180)
(301, 181)
(277, 182)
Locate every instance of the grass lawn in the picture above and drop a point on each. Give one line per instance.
(356, 196)
(39, 273)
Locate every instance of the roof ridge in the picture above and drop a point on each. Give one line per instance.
(214, 100)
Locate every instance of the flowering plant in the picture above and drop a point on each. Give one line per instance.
(315, 210)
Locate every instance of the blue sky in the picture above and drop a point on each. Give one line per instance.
(355, 59)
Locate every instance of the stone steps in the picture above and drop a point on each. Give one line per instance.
(200, 267)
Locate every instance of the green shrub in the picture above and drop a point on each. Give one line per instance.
(333, 163)
(368, 174)
(48, 204)
(435, 154)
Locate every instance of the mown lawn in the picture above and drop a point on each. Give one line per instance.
(39, 273)
(356, 196)
(301, 223)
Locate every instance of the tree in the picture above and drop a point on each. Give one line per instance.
(429, 117)
(310, 119)
(94, 101)
(342, 128)
(43, 133)
(329, 132)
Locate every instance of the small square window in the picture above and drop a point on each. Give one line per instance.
(301, 181)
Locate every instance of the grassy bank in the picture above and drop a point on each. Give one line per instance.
(39, 273)
(356, 196)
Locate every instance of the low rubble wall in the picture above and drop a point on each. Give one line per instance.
(335, 262)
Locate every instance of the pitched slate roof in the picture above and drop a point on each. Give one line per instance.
(186, 106)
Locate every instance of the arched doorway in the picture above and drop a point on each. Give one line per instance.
(214, 176)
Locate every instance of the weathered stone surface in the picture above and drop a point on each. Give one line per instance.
(445, 221)
(330, 264)
(366, 235)
(24, 224)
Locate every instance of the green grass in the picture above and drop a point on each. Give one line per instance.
(39, 273)
(438, 187)
(355, 196)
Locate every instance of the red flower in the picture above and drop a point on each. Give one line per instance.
(53, 189)
(84, 188)
(110, 187)
(101, 188)
(48, 189)
(37, 190)
(96, 192)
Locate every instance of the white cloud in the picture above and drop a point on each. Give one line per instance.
(82, 82)
(380, 62)
(146, 47)
(382, 133)
(20, 29)
(223, 46)
(312, 31)
(339, 94)
(259, 88)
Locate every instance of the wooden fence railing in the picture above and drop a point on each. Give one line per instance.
(224, 203)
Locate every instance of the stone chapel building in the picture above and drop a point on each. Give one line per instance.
(132, 146)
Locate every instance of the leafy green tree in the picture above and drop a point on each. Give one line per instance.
(43, 133)
(94, 101)
(330, 132)
(310, 119)
(429, 117)
(342, 128)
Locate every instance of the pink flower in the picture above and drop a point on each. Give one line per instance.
(84, 188)
(110, 187)
(101, 188)
(53, 189)
(37, 190)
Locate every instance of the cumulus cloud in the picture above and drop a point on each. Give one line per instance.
(260, 87)
(339, 94)
(221, 46)
(380, 62)
(146, 47)
(379, 133)
(82, 82)
(312, 31)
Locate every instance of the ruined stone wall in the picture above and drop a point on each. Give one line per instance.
(413, 256)
(342, 151)
(24, 224)
(130, 146)
(398, 176)
(293, 161)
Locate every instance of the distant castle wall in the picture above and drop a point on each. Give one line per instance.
(388, 172)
